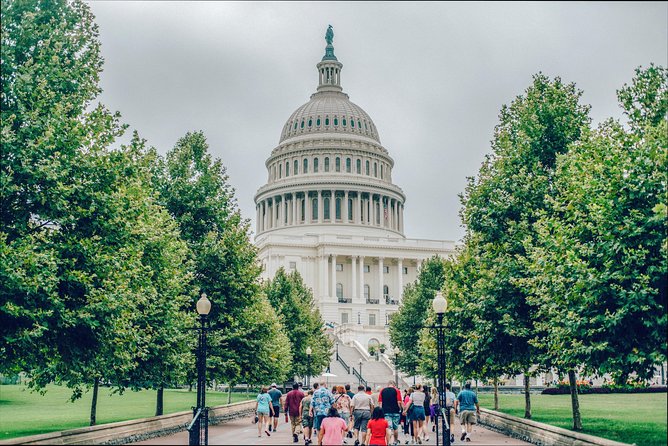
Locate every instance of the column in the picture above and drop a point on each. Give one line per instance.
(307, 208)
(274, 212)
(323, 275)
(257, 219)
(373, 211)
(332, 206)
(345, 207)
(357, 208)
(264, 215)
(380, 278)
(321, 210)
(361, 281)
(280, 212)
(354, 286)
(400, 278)
(333, 284)
(295, 214)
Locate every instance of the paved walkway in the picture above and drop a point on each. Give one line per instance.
(243, 432)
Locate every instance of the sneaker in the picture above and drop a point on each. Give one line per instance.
(268, 434)
(433, 428)
(452, 438)
(357, 443)
(463, 436)
(468, 438)
(295, 438)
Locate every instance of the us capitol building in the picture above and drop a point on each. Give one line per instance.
(331, 211)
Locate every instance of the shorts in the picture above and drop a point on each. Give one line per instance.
(433, 410)
(467, 416)
(393, 420)
(317, 421)
(345, 416)
(307, 421)
(417, 414)
(262, 412)
(277, 411)
(361, 417)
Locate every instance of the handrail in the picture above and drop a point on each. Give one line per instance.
(362, 380)
(195, 419)
(343, 363)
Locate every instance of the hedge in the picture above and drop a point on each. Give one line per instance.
(583, 390)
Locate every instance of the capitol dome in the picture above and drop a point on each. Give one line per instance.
(330, 172)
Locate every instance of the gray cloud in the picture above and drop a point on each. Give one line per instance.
(432, 76)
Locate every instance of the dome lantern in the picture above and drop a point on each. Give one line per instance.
(329, 68)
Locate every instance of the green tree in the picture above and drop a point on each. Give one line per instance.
(598, 264)
(293, 302)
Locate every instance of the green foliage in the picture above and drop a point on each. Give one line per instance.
(293, 302)
(599, 263)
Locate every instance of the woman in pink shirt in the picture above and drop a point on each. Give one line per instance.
(332, 428)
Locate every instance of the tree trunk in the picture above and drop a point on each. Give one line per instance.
(577, 420)
(496, 394)
(93, 404)
(527, 397)
(229, 394)
(248, 391)
(190, 387)
(159, 403)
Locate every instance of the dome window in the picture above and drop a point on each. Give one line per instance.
(302, 126)
(352, 123)
(325, 208)
(326, 164)
(310, 122)
(348, 164)
(296, 167)
(295, 125)
(375, 170)
(336, 121)
(359, 124)
(326, 121)
(359, 166)
(367, 167)
(317, 122)
(338, 164)
(287, 169)
(305, 169)
(315, 165)
(344, 122)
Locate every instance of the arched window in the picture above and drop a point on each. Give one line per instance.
(302, 124)
(295, 125)
(287, 169)
(314, 207)
(367, 290)
(336, 121)
(303, 210)
(344, 122)
(305, 169)
(315, 165)
(377, 213)
(296, 168)
(317, 122)
(338, 208)
(352, 123)
(310, 122)
(348, 165)
(338, 164)
(359, 166)
(350, 209)
(381, 171)
(326, 121)
(326, 164)
(367, 167)
(280, 171)
(375, 170)
(359, 124)
(325, 204)
(339, 290)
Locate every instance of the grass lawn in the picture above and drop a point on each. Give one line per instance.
(26, 413)
(639, 418)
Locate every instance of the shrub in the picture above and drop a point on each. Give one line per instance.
(564, 390)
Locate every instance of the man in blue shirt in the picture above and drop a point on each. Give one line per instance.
(467, 402)
(276, 396)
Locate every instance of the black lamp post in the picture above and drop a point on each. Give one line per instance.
(396, 365)
(360, 372)
(308, 367)
(440, 305)
(199, 427)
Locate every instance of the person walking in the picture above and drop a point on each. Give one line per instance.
(362, 405)
(342, 405)
(307, 420)
(451, 409)
(264, 411)
(292, 403)
(276, 396)
(320, 404)
(349, 392)
(427, 412)
(416, 409)
(379, 432)
(467, 403)
(392, 404)
(433, 408)
(332, 427)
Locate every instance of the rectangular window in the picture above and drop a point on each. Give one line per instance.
(293, 265)
(386, 269)
(367, 268)
(339, 266)
(344, 318)
(372, 319)
(405, 270)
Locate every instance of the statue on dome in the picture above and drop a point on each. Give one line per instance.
(329, 35)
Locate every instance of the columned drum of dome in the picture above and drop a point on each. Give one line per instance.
(330, 210)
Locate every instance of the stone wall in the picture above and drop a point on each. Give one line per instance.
(135, 430)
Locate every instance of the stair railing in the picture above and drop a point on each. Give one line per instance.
(343, 363)
(357, 374)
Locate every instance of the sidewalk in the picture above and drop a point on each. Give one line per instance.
(243, 432)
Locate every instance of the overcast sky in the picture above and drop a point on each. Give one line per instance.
(432, 76)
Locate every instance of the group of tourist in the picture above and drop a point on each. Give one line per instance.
(369, 418)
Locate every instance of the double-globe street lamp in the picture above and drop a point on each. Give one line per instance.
(199, 427)
(308, 367)
(440, 304)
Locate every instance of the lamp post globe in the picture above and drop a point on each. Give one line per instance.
(203, 305)
(439, 304)
(309, 351)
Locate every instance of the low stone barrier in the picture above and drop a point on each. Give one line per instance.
(540, 434)
(123, 432)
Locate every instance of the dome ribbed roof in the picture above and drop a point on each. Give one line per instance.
(329, 112)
